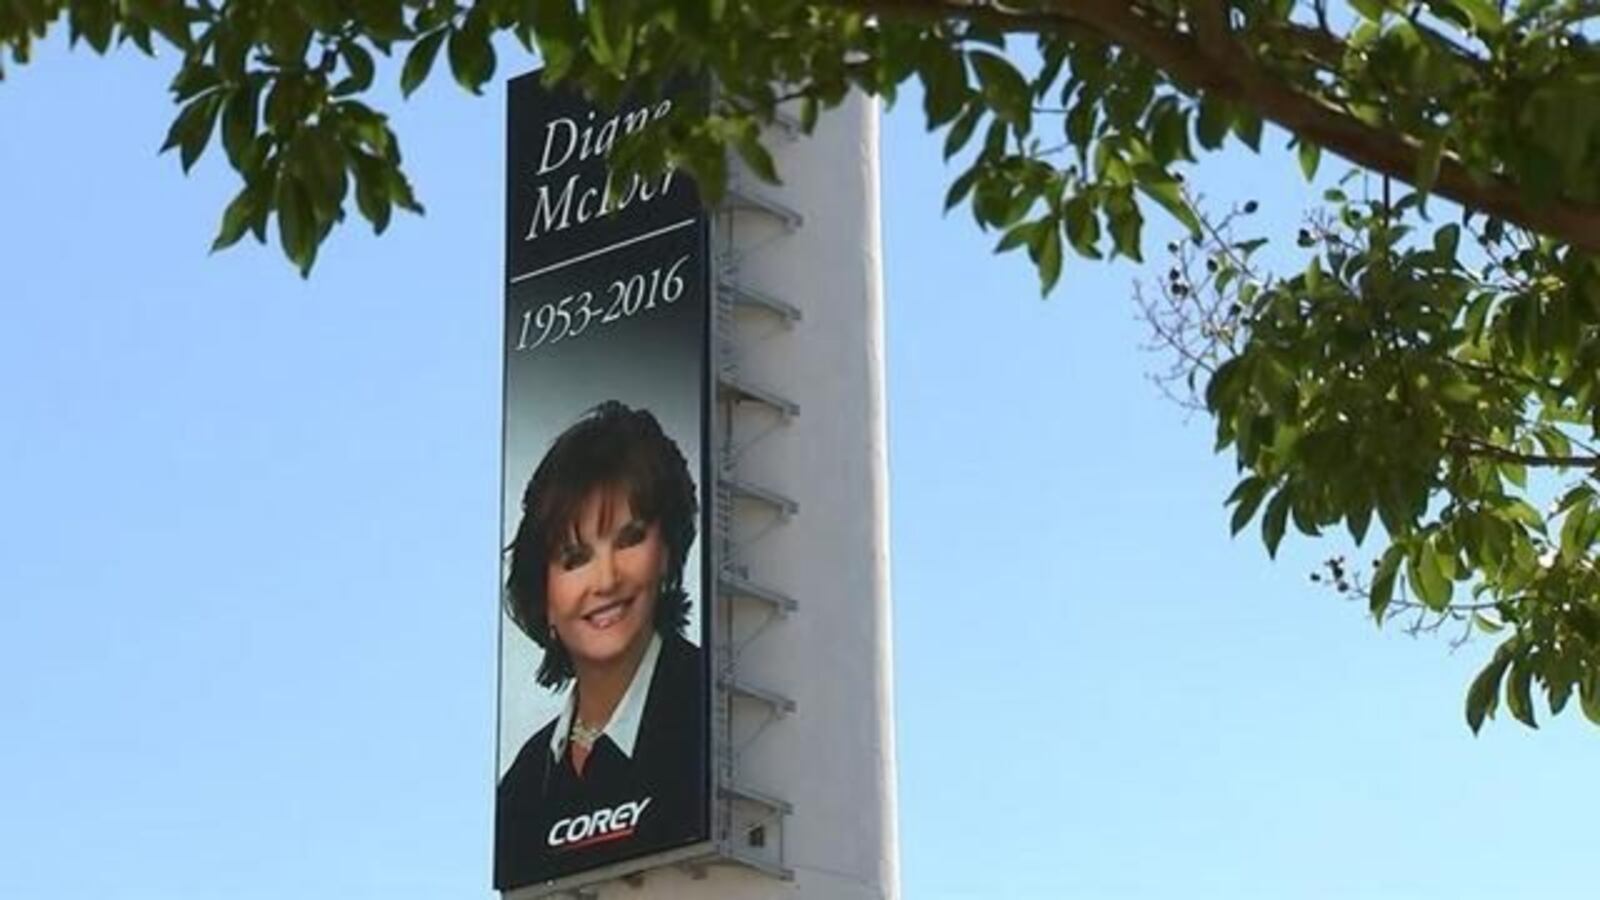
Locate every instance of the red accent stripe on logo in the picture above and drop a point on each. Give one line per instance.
(598, 839)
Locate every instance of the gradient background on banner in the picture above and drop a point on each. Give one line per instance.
(654, 360)
(654, 357)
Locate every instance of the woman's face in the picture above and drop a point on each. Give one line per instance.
(602, 581)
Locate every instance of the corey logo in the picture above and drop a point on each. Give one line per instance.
(597, 827)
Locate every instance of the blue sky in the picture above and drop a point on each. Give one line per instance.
(248, 564)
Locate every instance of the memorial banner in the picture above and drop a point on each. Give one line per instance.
(604, 726)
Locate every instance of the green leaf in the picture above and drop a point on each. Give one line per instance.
(1003, 87)
(1127, 226)
(1168, 128)
(1427, 574)
(1383, 581)
(1589, 697)
(191, 130)
(1221, 389)
(1577, 495)
(1050, 259)
(559, 30)
(1082, 226)
(1460, 391)
(399, 190)
(1017, 236)
(610, 35)
(287, 33)
(1358, 519)
(323, 172)
(1248, 495)
(755, 156)
(193, 79)
(1446, 240)
(1167, 191)
(1484, 15)
(1521, 511)
(1428, 160)
(810, 111)
(1560, 693)
(1371, 9)
(1080, 125)
(1519, 692)
(962, 130)
(419, 61)
(236, 218)
(472, 57)
(1310, 157)
(168, 17)
(297, 231)
(1276, 519)
(372, 190)
(1211, 126)
(359, 62)
(960, 188)
(1247, 125)
(1484, 694)
(383, 19)
(95, 22)
(239, 125)
(991, 201)
(944, 82)
(1304, 517)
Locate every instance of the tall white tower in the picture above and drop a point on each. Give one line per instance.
(806, 712)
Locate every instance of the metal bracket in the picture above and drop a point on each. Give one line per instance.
(748, 296)
(777, 805)
(732, 388)
(781, 603)
(784, 506)
(765, 866)
(736, 199)
(780, 704)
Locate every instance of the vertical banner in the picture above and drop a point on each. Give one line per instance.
(604, 709)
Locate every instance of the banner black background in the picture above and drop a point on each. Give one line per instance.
(612, 308)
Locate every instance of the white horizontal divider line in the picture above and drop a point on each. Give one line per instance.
(604, 250)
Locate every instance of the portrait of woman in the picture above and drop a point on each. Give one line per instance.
(596, 580)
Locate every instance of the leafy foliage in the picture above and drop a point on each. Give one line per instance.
(1389, 380)
(1411, 374)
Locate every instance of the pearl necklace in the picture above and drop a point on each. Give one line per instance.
(584, 735)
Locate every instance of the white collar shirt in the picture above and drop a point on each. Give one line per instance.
(623, 727)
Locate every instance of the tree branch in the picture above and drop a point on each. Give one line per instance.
(1212, 60)
(1471, 446)
(1392, 154)
(993, 15)
(1497, 372)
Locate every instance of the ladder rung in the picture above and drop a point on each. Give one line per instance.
(760, 798)
(785, 506)
(736, 199)
(747, 296)
(731, 386)
(781, 704)
(734, 584)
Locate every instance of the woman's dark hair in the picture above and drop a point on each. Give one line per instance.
(611, 446)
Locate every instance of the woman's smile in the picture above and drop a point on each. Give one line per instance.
(603, 581)
(608, 614)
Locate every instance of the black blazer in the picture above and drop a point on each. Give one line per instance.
(550, 822)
